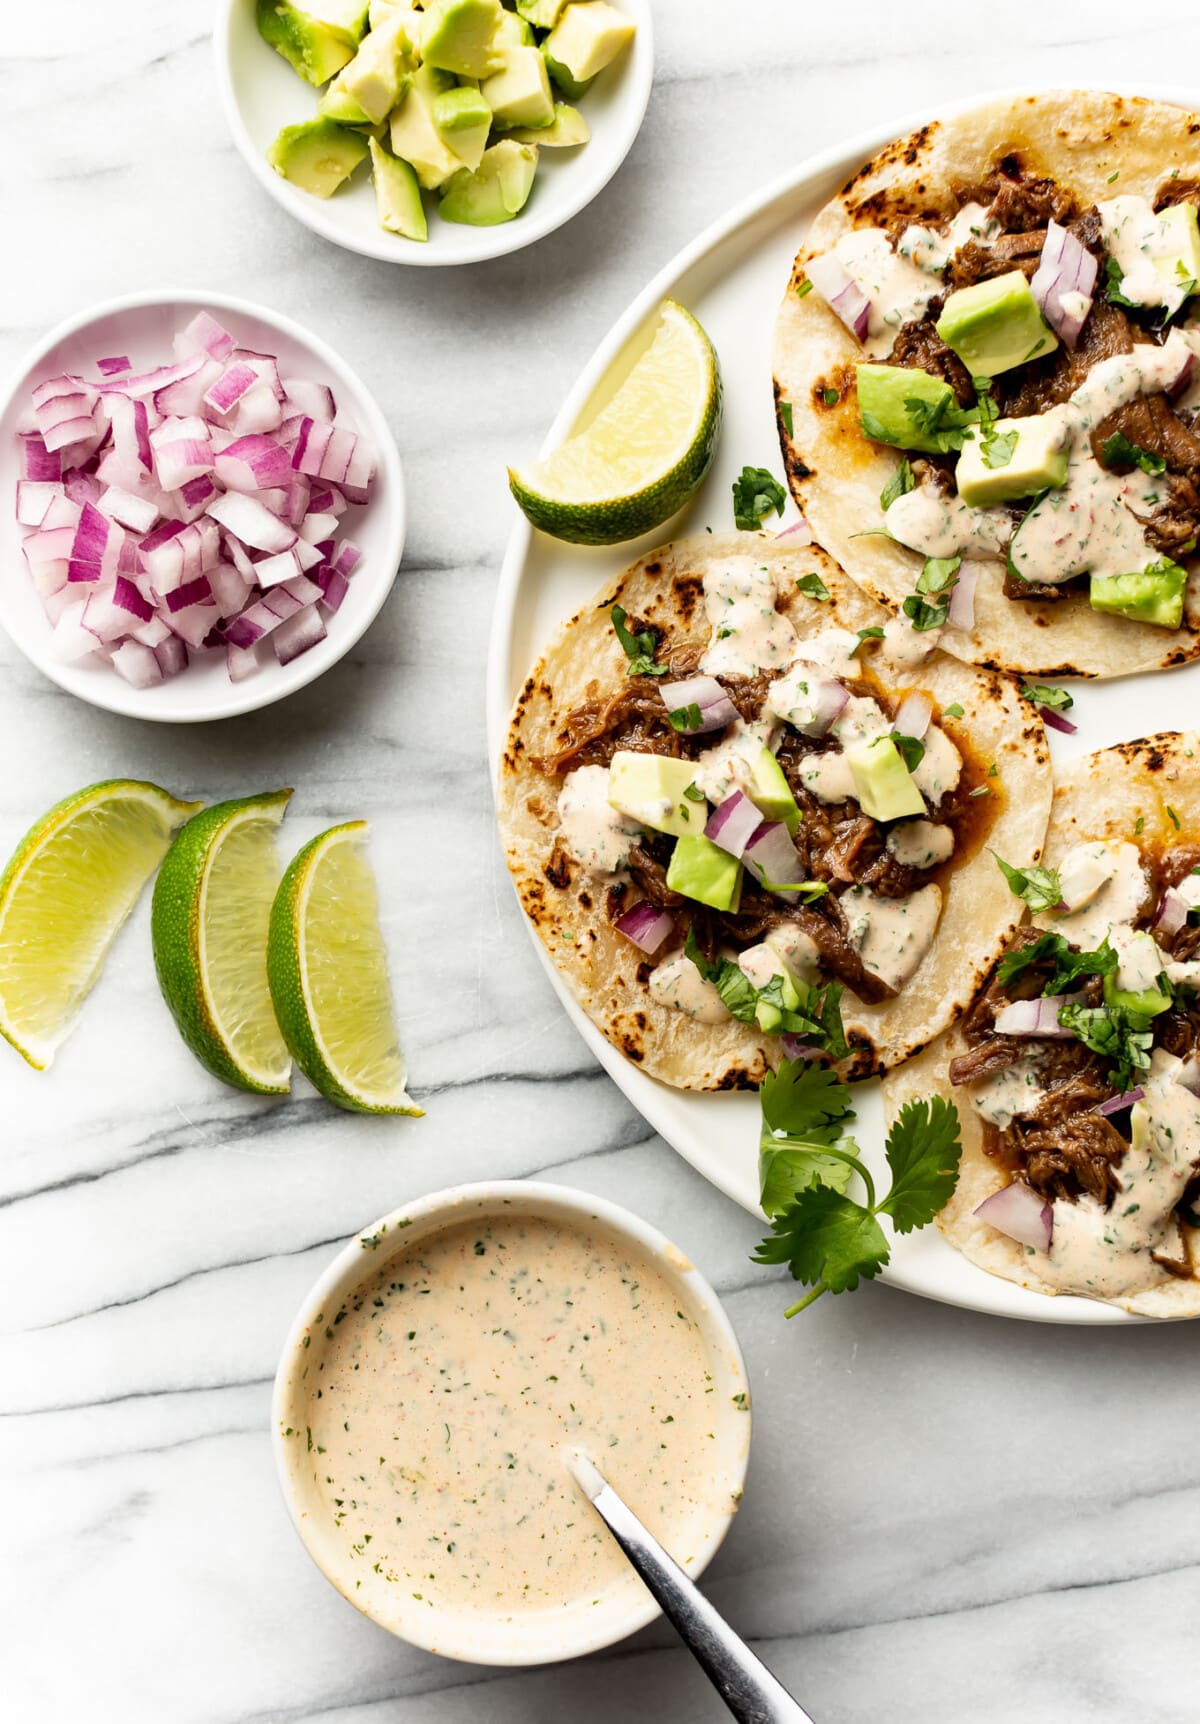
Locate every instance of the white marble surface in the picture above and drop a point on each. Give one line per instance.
(947, 1517)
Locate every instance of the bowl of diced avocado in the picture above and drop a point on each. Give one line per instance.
(435, 133)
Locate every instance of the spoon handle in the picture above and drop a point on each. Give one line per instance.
(742, 1680)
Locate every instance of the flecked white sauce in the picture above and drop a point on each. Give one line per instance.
(1005, 1094)
(920, 844)
(897, 289)
(940, 526)
(1107, 1252)
(593, 832)
(678, 983)
(931, 250)
(892, 935)
(748, 632)
(727, 765)
(940, 767)
(1124, 890)
(1145, 247)
(444, 1395)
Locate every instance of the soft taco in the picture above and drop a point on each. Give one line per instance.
(987, 379)
(1076, 1069)
(725, 798)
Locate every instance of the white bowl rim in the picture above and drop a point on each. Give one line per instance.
(526, 229)
(111, 693)
(443, 1208)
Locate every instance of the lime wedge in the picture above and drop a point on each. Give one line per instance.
(643, 454)
(71, 883)
(212, 910)
(329, 980)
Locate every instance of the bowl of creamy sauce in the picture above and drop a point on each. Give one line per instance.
(437, 1379)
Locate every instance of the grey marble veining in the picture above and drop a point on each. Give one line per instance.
(948, 1516)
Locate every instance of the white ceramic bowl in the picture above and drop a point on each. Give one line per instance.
(262, 94)
(544, 1637)
(142, 325)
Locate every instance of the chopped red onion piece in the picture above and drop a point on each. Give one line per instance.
(704, 692)
(205, 335)
(840, 292)
(795, 1049)
(1172, 912)
(314, 528)
(182, 451)
(184, 398)
(224, 395)
(34, 498)
(334, 589)
(197, 591)
(126, 597)
(800, 533)
(228, 588)
(151, 382)
(252, 524)
(347, 559)
(960, 612)
(298, 635)
(1019, 1212)
(82, 487)
(1119, 1103)
(307, 400)
(772, 856)
(171, 655)
(71, 640)
(913, 715)
(1064, 283)
(241, 662)
(137, 513)
(137, 664)
(95, 547)
(1035, 1017)
(646, 925)
(734, 823)
(273, 571)
(194, 623)
(1056, 721)
(112, 367)
(254, 463)
(152, 633)
(38, 462)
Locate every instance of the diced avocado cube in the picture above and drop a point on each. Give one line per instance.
(460, 36)
(562, 80)
(652, 789)
(397, 195)
(498, 189)
(1153, 596)
(995, 325)
(1016, 458)
(336, 104)
(588, 36)
(542, 13)
(884, 394)
(373, 78)
(316, 37)
(1179, 259)
(567, 129)
(1149, 1002)
(704, 872)
(464, 119)
(520, 94)
(771, 793)
(514, 32)
(767, 1017)
(416, 139)
(317, 156)
(884, 785)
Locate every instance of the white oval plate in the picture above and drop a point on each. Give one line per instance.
(732, 277)
(142, 325)
(262, 94)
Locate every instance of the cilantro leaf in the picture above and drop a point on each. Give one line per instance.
(1069, 965)
(1117, 450)
(1114, 275)
(940, 422)
(813, 587)
(686, 717)
(827, 1241)
(1042, 694)
(639, 648)
(1040, 888)
(997, 448)
(756, 493)
(1123, 1036)
(874, 633)
(802, 288)
(804, 1109)
(785, 414)
(939, 577)
(910, 750)
(938, 574)
(899, 485)
(954, 710)
(923, 1152)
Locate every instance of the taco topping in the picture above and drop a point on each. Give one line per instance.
(1083, 1067)
(1039, 358)
(793, 846)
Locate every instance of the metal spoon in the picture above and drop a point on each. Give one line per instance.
(743, 1681)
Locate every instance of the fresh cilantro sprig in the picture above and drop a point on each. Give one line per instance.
(638, 648)
(756, 494)
(938, 577)
(1044, 694)
(1069, 965)
(1123, 1036)
(829, 1240)
(1117, 450)
(943, 426)
(900, 484)
(1040, 888)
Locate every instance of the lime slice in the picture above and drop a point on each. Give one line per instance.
(329, 981)
(643, 454)
(212, 910)
(71, 883)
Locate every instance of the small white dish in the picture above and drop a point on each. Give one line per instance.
(543, 1636)
(262, 94)
(142, 325)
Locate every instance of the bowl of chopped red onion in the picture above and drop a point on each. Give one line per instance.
(205, 507)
